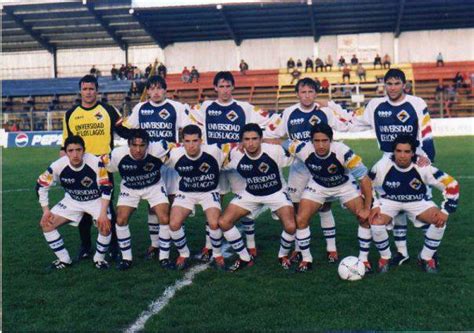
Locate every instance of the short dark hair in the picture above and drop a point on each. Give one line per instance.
(322, 128)
(192, 130)
(156, 80)
(138, 133)
(396, 74)
(224, 75)
(405, 139)
(89, 79)
(251, 127)
(305, 82)
(74, 139)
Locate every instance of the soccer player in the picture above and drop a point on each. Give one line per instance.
(260, 165)
(198, 166)
(96, 123)
(87, 191)
(395, 114)
(162, 119)
(333, 167)
(139, 165)
(295, 123)
(222, 121)
(401, 185)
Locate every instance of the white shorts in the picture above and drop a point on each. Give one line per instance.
(155, 195)
(189, 200)
(74, 210)
(298, 178)
(412, 209)
(231, 181)
(317, 193)
(170, 178)
(254, 203)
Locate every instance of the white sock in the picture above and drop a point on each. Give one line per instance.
(154, 230)
(286, 242)
(208, 237)
(102, 246)
(303, 237)
(56, 243)
(328, 224)
(234, 238)
(365, 238)
(124, 240)
(433, 239)
(179, 240)
(249, 229)
(380, 236)
(165, 240)
(400, 233)
(216, 240)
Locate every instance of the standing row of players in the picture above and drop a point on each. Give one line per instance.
(223, 122)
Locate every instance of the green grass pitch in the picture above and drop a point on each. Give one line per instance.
(261, 298)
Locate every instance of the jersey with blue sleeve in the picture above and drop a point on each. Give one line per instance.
(199, 174)
(410, 184)
(139, 174)
(222, 123)
(161, 121)
(331, 170)
(263, 173)
(88, 182)
(388, 119)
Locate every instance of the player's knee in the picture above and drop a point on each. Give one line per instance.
(301, 221)
(224, 223)
(175, 224)
(365, 224)
(290, 227)
(122, 220)
(214, 225)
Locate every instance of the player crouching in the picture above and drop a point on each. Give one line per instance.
(260, 165)
(139, 165)
(333, 167)
(87, 191)
(401, 186)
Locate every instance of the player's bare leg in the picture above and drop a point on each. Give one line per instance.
(215, 233)
(328, 225)
(306, 210)
(177, 217)
(123, 236)
(162, 212)
(380, 235)
(437, 221)
(49, 225)
(286, 215)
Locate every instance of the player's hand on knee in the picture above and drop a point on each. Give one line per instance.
(441, 219)
(46, 219)
(104, 225)
(363, 215)
(374, 215)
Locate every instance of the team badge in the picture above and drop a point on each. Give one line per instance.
(99, 116)
(164, 114)
(332, 169)
(403, 116)
(263, 167)
(415, 184)
(86, 182)
(314, 120)
(148, 167)
(232, 116)
(204, 167)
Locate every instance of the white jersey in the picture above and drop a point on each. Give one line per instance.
(88, 182)
(263, 173)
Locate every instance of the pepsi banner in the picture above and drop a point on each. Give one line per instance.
(34, 139)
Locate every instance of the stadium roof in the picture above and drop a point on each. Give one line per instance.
(53, 25)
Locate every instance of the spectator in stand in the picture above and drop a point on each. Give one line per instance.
(380, 86)
(114, 72)
(244, 67)
(451, 97)
(341, 62)
(319, 64)
(123, 72)
(185, 75)
(354, 60)
(162, 70)
(53, 105)
(93, 71)
(329, 63)
(439, 60)
(299, 65)
(386, 61)
(309, 64)
(317, 85)
(346, 73)
(148, 70)
(30, 103)
(290, 65)
(458, 80)
(130, 70)
(14, 127)
(295, 75)
(377, 61)
(439, 92)
(361, 72)
(8, 107)
(325, 86)
(194, 75)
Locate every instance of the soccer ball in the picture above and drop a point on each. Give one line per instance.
(351, 268)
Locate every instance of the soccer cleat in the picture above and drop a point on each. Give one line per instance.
(304, 266)
(398, 259)
(84, 253)
(58, 265)
(252, 251)
(332, 256)
(166, 264)
(219, 263)
(368, 267)
(124, 265)
(285, 262)
(383, 265)
(296, 256)
(182, 263)
(206, 255)
(429, 266)
(101, 265)
(240, 264)
(152, 253)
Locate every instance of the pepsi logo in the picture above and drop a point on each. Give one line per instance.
(21, 140)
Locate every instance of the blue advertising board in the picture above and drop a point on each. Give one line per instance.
(35, 139)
